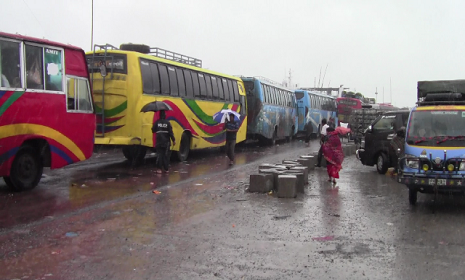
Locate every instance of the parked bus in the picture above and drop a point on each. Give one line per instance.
(345, 106)
(137, 75)
(271, 111)
(46, 113)
(312, 108)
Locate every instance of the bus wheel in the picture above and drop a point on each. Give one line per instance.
(135, 153)
(273, 138)
(26, 169)
(8, 182)
(381, 163)
(184, 147)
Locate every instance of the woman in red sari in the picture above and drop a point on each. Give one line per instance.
(332, 151)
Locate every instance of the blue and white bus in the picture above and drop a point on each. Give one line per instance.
(271, 110)
(312, 108)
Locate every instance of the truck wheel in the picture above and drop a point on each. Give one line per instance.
(184, 147)
(412, 196)
(26, 169)
(382, 163)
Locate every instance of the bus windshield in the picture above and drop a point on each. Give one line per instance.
(437, 128)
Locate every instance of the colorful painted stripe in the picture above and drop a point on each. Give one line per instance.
(10, 100)
(45, 131)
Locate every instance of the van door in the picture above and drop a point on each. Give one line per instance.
(376, 140)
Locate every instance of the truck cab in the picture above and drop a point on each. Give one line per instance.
(374, 145)
(434, 160)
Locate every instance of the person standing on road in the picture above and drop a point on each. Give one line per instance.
(231, 128)
(324, 127)
(397, 147)
(332, 151)
(164, 132)
(308, 133)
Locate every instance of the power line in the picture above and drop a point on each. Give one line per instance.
(24, 1)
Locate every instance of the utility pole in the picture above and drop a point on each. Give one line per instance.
(376, 95)
(92, 29)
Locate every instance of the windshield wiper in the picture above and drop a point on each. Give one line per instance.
(417, 142)
(458, 137)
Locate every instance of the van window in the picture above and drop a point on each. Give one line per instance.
(386, 122)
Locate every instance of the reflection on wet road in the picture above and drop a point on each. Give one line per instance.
(201, 224)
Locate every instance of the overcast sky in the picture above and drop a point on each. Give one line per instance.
(364, 44)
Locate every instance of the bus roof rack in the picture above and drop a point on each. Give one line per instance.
(270, 81)
(162, 53)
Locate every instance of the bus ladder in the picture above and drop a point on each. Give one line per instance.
(100, 116)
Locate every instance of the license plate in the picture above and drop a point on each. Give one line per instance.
(442, 182)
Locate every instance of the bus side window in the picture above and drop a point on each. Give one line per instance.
(215, 88)
(155, 78)
(236, 91)
(203, 86)
(164, 80)
(242, 101)
(226, 90)
(195, 80)
(34, 67)
(220, 89)
(208, 81)
(181, 82)
(10, 69)
(78, 94)
(189, 84)
(265, 96)
(147, 80)
(173, 81)
(53, 69)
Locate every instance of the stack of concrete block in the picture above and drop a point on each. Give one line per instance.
(261, 183)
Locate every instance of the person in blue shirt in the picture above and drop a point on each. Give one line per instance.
(231, 128)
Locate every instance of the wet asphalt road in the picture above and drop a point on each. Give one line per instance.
(100, 219)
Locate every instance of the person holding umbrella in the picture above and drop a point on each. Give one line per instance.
(164, 132)
(231, 127)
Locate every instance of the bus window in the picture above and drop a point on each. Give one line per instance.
(236, 91)
(226, 90)
(203, 89)
(53, 69)
(146, 73)
(155, 78)
(195, 80)
(78, 93)
(181, 82)
(164, 80)
(10, 69)
(265, 96)
(208, 81)
(242, 103)
(215, 88)
(189, 84)
(34, 67)
(231, 92)
(220, 89)
(173, 81)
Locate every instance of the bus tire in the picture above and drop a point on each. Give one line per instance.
(26, 169)
(8, 182)
(273, 138)
(135, 153)
(184, 147)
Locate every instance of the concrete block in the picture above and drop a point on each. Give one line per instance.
(287, 186)
(303, 169)
(300, 183)
(266, 166)
(261, 183)
(305, 162)
(275, 174)
(289, 161)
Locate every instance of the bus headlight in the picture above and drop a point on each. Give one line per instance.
(450, 167)
(413, 162)
(462, 166)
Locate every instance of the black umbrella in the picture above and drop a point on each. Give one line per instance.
(156, 106)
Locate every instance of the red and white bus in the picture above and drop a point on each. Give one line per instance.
(47, 117)
(345, 105)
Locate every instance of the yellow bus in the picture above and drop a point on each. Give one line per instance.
(127, 78)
